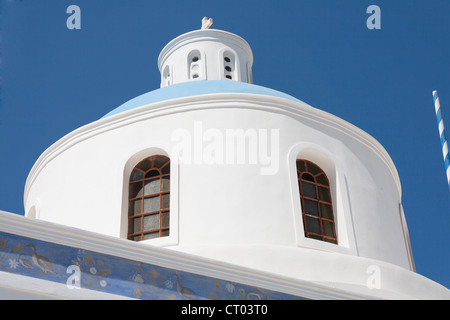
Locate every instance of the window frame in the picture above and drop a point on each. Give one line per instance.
(130, 163)
(319, 198)
(163, 172)
(342, 210)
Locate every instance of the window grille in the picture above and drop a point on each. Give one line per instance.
(149, 199)
(317, 207)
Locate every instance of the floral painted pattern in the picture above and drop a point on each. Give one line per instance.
(93, 272)
(115, 275)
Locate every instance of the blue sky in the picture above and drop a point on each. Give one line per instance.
(54, 80)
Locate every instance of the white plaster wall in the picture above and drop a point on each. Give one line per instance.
(82, 181)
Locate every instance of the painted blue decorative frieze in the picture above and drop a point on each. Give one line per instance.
(115, 275)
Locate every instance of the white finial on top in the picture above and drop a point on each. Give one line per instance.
(206, 23)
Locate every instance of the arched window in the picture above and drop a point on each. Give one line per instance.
(196, 65)
(229, 65)
(317, 208)
(149, 199)
(167, 76)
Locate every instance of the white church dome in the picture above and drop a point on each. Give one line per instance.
(213, 165)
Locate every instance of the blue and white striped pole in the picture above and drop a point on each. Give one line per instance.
(445, 153)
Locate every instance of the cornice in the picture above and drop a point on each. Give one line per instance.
(77, 238)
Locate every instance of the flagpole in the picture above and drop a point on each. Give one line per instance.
(440, 121)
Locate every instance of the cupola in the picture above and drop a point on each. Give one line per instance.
(206, 54)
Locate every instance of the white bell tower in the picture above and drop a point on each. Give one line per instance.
(206, 55)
